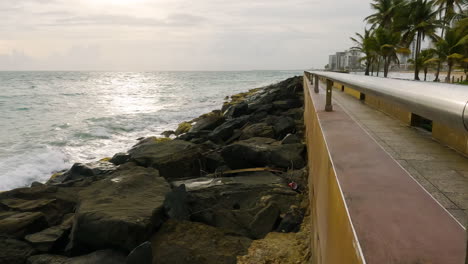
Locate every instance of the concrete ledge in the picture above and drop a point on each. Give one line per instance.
(365, 207)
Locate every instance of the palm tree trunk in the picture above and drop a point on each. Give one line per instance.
(416, 55)
(437, 72)
(449, 72)
(367, 68)
(425, 73)
(378, 66)
(386, 65)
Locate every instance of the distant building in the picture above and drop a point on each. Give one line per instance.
(344, 60)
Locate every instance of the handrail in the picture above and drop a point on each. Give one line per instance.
(441, 102)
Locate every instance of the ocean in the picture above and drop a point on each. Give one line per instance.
(50, 120)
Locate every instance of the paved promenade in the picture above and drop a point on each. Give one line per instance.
(443, 172)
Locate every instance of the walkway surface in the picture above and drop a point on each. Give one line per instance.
(442, 171)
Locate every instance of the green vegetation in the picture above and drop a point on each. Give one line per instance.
(396, 24)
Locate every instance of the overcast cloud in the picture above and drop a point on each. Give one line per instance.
(137, 35)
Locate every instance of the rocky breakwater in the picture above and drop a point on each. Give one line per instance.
(228, 187)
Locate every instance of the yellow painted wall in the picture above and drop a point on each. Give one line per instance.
(333, 240)
(390, 109)
(450, 137)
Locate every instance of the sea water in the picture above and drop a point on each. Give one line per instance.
(50, 120)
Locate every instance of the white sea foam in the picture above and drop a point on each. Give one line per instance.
(37, 165)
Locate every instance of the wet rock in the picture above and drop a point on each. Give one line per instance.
(80, 170)
(208, 122)
(213, 160)
(296, 113)
(226, 130)
(261, 152)
(257, 130)
(143, 254)
(120, 158)
(120, 211)
(183, 127)
(196, 243)
(291, 139)
(237, 110)
(18, 224)
(36, 184)
(176, 204)
(235, 203)
(168, 133)
(13, 251)
(97, 257)
(173, 159)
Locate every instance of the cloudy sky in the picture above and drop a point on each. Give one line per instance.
(150, 35)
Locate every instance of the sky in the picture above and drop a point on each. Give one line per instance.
(156, 35)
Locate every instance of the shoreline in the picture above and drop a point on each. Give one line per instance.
(239, 170)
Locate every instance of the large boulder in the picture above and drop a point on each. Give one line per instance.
(13, 251)
(261, 152)
(120, 211)
(173, 159)
(97, 257)
(226, 130)
(258, 130)
(208, 121)
(52, 238)
(196, 243)
(237, 110)
(81, 170)
(41, 201)
(19, 224)
(249, 204)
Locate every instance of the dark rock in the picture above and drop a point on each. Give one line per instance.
(283, 126)
(287, 104)
(13, 251)
(120, 211)
(97, 257)
(18, 224)
(45, 239)
(213, 160)
(36, 184)
(260, 152)
(292, 221)
(80, 170)
(50, 201)
(168, 133)
(226, 130)
(257, 108)
(143, 254)
(120, 158)
(235, 202)
(258, 130)
(237, 110)
(196, 243)
(200, 134)
(208, 122)
(296, 113)
(53, 238)
(291, 139)
(264, 221)
(173, 159)
(175, 204)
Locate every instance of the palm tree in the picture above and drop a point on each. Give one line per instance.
(450, 15)
(425, 60)
(385, 12)
(388, 41)
(365, 44)
(422, 22)
(452, 47)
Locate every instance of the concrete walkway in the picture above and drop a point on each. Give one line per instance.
(442, 171)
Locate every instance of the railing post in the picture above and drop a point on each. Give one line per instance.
(328, 105)
(316, 83)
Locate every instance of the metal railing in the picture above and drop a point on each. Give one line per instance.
(441, 102)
